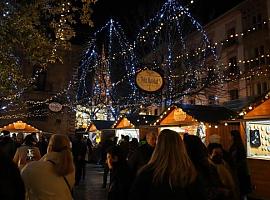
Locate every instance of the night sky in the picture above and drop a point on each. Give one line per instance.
(133, 13)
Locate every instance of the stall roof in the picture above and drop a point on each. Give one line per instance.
(210, 114)
(19, 126)
(103, 124)
(134, 120)
(138, 120)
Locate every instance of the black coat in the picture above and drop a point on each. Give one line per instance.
(140, 158)
(120, 182)
(144, 189)
(11, 183)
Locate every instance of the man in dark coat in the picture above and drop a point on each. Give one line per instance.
(143, 154)
(7, 145)
(79, 149)
(11, 183)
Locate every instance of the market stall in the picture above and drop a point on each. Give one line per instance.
(199, 120)
(134, 125)
(20, 127)
(174, 118)
(257, 130)
(97, 128)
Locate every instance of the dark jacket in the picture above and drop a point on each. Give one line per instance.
(120, 182)
(140, 157)
(11, 183)
(144, 189)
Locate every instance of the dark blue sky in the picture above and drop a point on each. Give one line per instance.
(133, 14)
(128, 11)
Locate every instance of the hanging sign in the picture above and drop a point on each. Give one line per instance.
(179, 115)
(55, 106)
(149, 80)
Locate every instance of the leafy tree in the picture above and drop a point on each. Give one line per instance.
(32, 33)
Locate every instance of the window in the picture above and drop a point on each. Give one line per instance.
(234, 94)
(264, 87)
(156, 111)
(230, 32)
(192, 101)
(259, 51)
(233, 68)
(259, 89)
(212, 99)
(230, 36)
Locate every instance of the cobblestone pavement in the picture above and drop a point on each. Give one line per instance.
(91, 187)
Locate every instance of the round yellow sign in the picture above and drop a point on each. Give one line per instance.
(149, 81)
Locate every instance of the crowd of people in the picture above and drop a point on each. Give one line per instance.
(169, 166)
(164, 166)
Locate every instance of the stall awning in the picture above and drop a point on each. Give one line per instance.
(20, 126)
(187, 114)
(100, 125)
(210, 113)
(134, 120)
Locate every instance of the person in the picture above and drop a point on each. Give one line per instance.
(143, 153)
(169, 174)
(124, 145)
(208, 174)
(11, 183)
(26, 153)
(53, 176)
(105, 145)
(239, 163)
(42, 145)
(215, 151)
(79, 149)
(120, 174)
(7, 145)
(133, 145)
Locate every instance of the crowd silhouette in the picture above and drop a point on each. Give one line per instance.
(158, 167)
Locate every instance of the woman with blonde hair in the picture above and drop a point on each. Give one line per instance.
(53, 176)
(169, 174)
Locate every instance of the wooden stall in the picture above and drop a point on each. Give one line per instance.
(200, 120)
(99, 129)
(134, 125)
(176, 119)
(257, 130)
(20, 127)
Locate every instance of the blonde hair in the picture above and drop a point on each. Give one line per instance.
(170, 161)
(61, 143)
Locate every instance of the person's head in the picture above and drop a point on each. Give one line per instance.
(29, 140)
(6, 133)
(215, 151)
(19, 138)
(151, 138)
(196, 150)
(170, 161)
(236, 136)
(126, 138)
(114, 156)
(60, 144)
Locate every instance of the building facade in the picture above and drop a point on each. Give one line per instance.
(52, 88)
(241, 40)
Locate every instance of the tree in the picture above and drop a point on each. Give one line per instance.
(32, 33)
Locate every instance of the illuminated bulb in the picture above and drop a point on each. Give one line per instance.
(226, 124)
(250, 107)
(216, 126)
